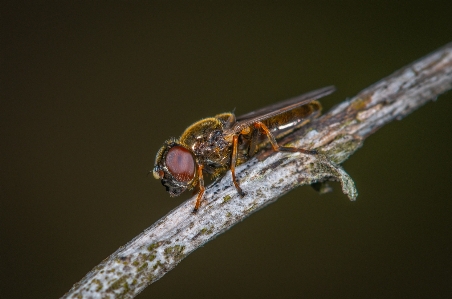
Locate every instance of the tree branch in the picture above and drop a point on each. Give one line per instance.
(268, 176)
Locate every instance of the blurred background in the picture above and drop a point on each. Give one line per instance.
(89, 92)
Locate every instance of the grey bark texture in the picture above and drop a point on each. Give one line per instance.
(268, 176)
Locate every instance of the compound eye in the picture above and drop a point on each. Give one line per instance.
(180, 164)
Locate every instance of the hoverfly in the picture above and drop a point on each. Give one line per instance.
(215, 144)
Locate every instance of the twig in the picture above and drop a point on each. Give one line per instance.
(267, 177)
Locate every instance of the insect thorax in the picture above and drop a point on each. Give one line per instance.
(212, 149)
(206, 140)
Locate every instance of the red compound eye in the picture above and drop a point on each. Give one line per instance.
(180, 163)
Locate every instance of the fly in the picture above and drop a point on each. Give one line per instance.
(216, 144)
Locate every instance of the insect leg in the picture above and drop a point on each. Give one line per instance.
(233, 163)
(201, 188)
(276, 146)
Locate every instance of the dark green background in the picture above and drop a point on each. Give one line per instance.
(89, 92)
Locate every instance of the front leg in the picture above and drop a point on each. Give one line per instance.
(201, 189)
(235, 141)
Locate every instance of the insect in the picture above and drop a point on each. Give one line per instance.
(216, 144)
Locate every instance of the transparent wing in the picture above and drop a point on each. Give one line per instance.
(248, 119)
